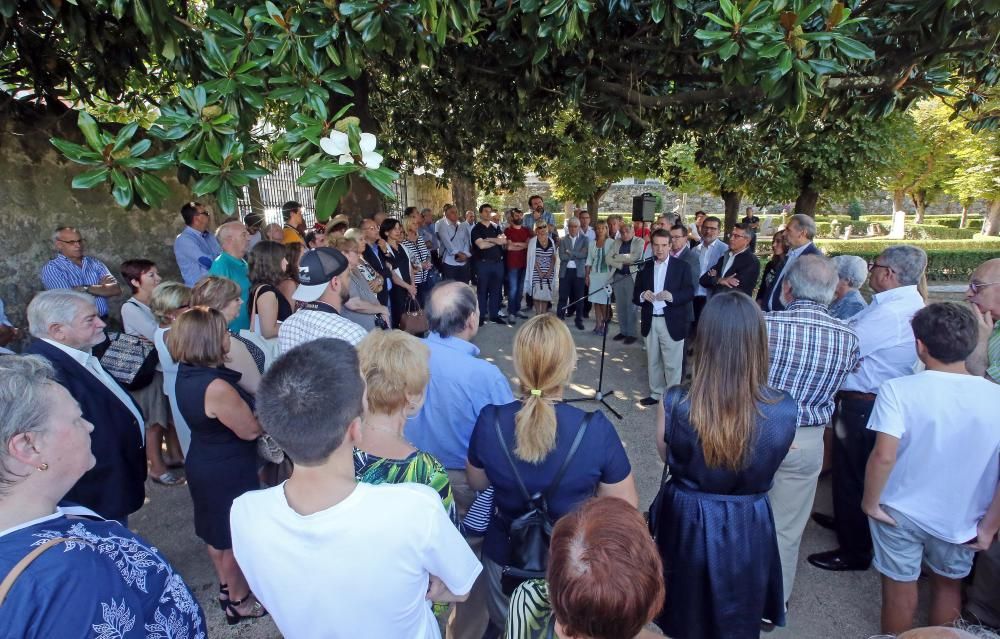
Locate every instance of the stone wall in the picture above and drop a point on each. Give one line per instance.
(37, 198)
(422, 191)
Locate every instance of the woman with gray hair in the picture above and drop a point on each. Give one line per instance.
(847, 300)
(99, 577)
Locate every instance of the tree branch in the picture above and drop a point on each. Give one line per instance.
(664, 101)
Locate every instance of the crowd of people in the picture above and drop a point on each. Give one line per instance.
(322, 391)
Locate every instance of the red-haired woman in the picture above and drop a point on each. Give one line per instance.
(605, 579)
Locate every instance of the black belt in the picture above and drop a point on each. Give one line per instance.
(655, 315)
(845, 394)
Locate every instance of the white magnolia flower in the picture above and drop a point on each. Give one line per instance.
(338, 144)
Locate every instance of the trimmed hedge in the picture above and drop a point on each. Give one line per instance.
(946, 259)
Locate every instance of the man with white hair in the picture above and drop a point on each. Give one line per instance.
(811, 354)
(799, 234)
(64, 326)
(888, 351)
(847, 301)
(234, 239)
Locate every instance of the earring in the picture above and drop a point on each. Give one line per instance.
(43, 467)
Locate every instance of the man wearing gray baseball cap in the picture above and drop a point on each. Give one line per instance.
(324, 286)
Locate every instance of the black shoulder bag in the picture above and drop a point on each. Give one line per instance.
(529, 535)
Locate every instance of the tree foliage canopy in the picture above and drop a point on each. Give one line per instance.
(465, 85)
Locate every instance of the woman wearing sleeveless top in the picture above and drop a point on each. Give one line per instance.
(221, 464)
(723, 439)
(268, 306)
(541, 268)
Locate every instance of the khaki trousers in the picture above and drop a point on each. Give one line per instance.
(792, 497)
(664, 358)
(469, 619)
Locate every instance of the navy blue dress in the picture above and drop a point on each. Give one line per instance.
(220, 466)
(716, 530)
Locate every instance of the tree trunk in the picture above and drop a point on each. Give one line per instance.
(806, 201)
(966, 206)
(898, 200)
(463, 194)
(920, 206)
(991, 225)
(594, 202)
(361, 200)
(256, 198)
(732, 200)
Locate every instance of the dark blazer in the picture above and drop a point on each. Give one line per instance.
(746, 268)
(774, 295)
(578, 254)
(115, 487)
(375, 259)
(691, 258)
(677, 313)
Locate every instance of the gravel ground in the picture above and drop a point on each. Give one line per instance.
(824, 605)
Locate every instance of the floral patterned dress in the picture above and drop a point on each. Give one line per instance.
(105, 582)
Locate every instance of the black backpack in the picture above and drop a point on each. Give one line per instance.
(529, 534)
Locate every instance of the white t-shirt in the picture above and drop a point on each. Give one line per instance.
(948, 462)
(358, 569)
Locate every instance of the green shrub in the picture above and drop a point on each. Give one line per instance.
(935, 232)
(946, 259)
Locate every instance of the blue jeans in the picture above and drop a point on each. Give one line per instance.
(515, 290)
(488, 287)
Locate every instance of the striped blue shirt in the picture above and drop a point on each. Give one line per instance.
(63, 273)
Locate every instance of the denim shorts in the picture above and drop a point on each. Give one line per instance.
(900, 550)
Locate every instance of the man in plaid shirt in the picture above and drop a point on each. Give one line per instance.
(811, 354)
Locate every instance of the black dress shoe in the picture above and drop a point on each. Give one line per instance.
(498, 320)
(824, 520)
(482, 323)
(579, 325)
(839, 561)
(619, 337)
(648, 401)
(629, 340)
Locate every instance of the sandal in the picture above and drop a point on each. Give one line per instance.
(233, 617)
(168, 479)
(223, 596)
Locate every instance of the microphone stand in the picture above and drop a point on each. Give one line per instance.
(600, 395)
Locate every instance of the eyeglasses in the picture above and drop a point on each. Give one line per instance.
(78, 242)
(874, 265)
(745, 237)
(975, 287)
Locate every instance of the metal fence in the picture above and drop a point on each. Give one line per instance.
(280, 187)
(276, 189)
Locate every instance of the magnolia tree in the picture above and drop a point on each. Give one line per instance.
(230, 87)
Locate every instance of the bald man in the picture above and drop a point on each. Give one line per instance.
(461, 384)
(234, 239)
(984, 296)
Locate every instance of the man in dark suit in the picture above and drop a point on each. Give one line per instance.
(65, 326)
(573, 250)
(738, 268)
(663, 291)
(799, 234)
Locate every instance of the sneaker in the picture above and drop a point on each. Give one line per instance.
(502, 313)
(520, 315)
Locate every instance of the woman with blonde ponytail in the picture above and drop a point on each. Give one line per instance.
(539, 431)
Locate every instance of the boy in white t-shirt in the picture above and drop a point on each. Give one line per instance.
(328, 557)
(932, 484)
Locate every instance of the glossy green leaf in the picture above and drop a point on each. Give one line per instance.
(91, 132)
(123, 194)
(90, 179)
(226, 196)
(328, 195)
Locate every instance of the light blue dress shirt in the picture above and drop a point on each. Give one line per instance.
(194, 252)
(460, 386)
